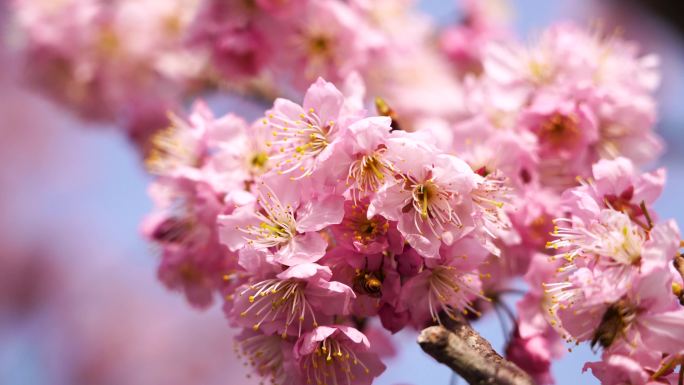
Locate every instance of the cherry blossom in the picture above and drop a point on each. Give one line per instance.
(385, 181)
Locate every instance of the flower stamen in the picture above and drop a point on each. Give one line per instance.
(297, 143)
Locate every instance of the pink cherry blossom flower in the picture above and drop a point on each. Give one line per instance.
(281, 223)
(195, 275)
(292, 301)
(644, 313)
(617, 98)
(337, 355)
(240, 154)
(612, 241)
(306, 136)
(488, 148)
(565, 129)
(431, 199)
(329, 39)
(449, 286)
(270, 356)
(125, 62)
(556, 59)
(180, 149)
(617, 185)
(533, 315)
(369, 168)
(626, 127)
(536, 342)
(533, 218)
(612, 235)
(204, 147)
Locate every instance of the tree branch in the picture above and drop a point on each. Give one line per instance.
(470, 355)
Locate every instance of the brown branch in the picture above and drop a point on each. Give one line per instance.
(470, 355)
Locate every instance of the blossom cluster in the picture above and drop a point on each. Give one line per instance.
(288, 44)
(319, 216)
(576, 96)
(129, 62)
(331, 217)
(483, 165)
(568, 120)
(119, 61)
(617, 284)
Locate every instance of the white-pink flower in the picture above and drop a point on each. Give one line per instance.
(306, 136)
(337, 354)
(644, 314)
(430, 199)
(282, 223)
(291, 302)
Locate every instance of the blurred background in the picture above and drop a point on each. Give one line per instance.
(79, 299)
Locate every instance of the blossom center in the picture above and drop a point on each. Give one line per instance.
(560, 131)
(432, 204)
(277, 226)
(369, 172)
(540, 71)
(360, 228)
(319, 45)
(259, 160)
(108, 42)
(423, 195)
(366, 230)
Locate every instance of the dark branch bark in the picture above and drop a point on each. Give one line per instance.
(470, 355)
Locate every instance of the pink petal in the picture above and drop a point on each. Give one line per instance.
(317, 215)
(306, 248)
(229, 225)
(307, 271)
(325, 99)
